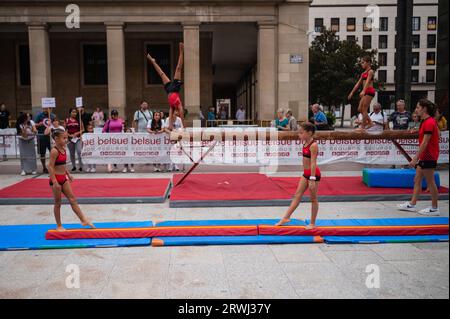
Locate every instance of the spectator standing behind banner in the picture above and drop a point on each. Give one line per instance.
(91, 168)
(98, 117)
(86, 118)
(141, 118)
(27, 147)
(74, 130)
(319, 119)
(211, 117)
(155, 126)
(177, 125)
(4, 116)
(281, 121)
(292, 126)
(55, 125)
(42, 121)
(240, 115)
(401, 117)
(113, 125)
(441, 120)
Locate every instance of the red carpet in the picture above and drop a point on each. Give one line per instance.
(219, 187)
(335, 186)
(91, 188)
(219, 190)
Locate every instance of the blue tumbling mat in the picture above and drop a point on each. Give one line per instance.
(31, 237)
(412, 221)
(230, 222)
(384, 239)
(230, 240)
(393, 178)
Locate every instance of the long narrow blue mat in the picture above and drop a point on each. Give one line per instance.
(32, 237)
(384, 239)
(227, 222)
(231, 240)
(410, 221)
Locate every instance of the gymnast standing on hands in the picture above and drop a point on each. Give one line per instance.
(367, 93)
(58, 180)
(172, 87)
(311, 176)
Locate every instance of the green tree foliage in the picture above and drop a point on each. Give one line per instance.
(334, 69)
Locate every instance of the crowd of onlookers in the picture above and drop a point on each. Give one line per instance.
(78, 122)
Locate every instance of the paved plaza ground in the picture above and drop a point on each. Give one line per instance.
(416, 270)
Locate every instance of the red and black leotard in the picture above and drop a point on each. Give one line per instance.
(370, 90)
(306, 152)
(60, 160)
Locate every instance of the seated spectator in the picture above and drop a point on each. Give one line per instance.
(401, 117)
(281, 122)
(378, 118)
(319, 119)
(292, 126)
(441, 120)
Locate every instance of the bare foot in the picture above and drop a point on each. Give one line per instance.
(310, 226)
(150, 58)
(283, 221)
(181, 46)
(60, 228)
(87, 223)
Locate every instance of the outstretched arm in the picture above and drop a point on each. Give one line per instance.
(357, 85)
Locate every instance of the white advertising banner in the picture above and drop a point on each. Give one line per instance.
(8, 142)
(143, 148)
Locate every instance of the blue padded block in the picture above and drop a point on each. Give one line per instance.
(409, 221)
(234, 240)
(231, 222)
(394, 178)
(25, 237)
(384, 239)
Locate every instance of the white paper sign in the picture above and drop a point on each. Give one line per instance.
(79, 101)
(48, 102)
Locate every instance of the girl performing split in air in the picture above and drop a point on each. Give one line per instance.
(367, 93)
(172, 87)
(58, 180)
(310, 178)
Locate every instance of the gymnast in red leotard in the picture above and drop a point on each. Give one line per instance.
(58, 180)
(367, 93)
(311, 176)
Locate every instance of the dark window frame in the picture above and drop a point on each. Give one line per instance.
(23, 71)
(351, 25)
(383, 36)
(84, 83)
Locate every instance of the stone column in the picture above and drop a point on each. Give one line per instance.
(267, 66)
(40, 72)
(191, 35)
(116, 67)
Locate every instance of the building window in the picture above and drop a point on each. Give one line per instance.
(383, 42)
(414, 76)
(351, 38)
(95, 66)
(416, 23)
(367, 42)
(367, 24)
(318, 24)
(430, 76)
(416, 41)
(415, 58)
(431, 25)
(162, 54)
(384, 24)
(431, 41)
(335, 24)
(431, 58)
(351, 24)
(382, 76)
(382, 59)
(24, 65)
